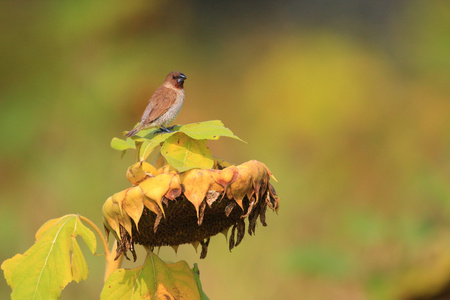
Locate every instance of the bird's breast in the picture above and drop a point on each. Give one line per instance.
(173, 111)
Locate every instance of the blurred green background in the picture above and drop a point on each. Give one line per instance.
(347, 102)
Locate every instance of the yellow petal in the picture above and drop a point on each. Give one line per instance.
(225, 177)
(134, 204)
(152, 206)
(139, 171)
(156, 187)
(174, 188)
(196, 183)
(241, 186)
(110, 211)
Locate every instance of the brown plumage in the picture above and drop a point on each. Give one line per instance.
(164, 105)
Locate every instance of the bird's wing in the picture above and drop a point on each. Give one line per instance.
(159, 103)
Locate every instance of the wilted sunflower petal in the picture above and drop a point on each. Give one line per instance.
(134, 204)
(110, 221)
(139, 171)
(211, 197)
(241, 186)
(125, 221)
(118, 198)
(175, 188)
(153, 206)
(165, 207)
(196, 184)
(156, 187)
(195, 245)
(225, 177)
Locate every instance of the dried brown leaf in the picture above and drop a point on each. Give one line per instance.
(204, 248)
(211, 197)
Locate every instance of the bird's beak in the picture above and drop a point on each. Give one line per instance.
(181, 78)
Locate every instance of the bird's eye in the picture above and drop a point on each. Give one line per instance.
(174, 77)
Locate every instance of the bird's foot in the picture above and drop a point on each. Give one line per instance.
(163, 129)
(171, 128)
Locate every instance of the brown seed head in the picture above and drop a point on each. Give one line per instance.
(168, 208)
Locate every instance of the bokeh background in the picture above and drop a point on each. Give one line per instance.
(347, 102)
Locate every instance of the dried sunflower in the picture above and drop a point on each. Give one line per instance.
(166, 207)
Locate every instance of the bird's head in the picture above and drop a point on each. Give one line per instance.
(176, 79)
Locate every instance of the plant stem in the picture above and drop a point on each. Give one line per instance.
(111, 263)
(138, 151)
(100, 234)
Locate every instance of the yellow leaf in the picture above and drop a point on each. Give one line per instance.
(155, 279)
(185, 153)
(52, 262)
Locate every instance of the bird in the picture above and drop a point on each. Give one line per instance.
(164, 105)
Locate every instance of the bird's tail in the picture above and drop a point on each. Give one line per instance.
(133, 131)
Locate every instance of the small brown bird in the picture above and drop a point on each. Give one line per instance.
(164, 105)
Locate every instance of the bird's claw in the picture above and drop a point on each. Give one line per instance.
(163, 129)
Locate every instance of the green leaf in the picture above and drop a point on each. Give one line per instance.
(149, 139)
(196, 273)
(209, 130)
(121, 145)
(184, 153)
(52, 262)
(147, 134)
(149, 144)
(155, 279)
